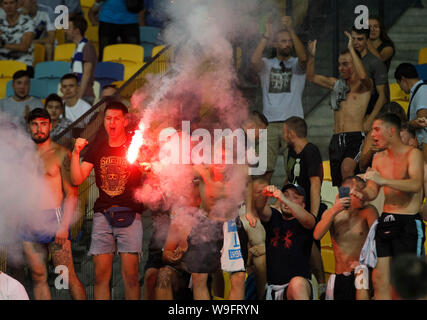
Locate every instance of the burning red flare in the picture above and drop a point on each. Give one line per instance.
(136, 144)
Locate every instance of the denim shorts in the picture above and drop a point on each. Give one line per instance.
(108, 239)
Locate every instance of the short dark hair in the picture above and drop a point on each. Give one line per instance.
(298, 125)
(112, 86)
(344, 51)
(38, 113)
(411, 130)
(115, 105)
(364, 31)
(259, 117)
(409, 276)
(361, 184)
(406, 70)
(80, 23)
(395, 108)
(391, 119)
(20, 74)
(54, 97)
(70, 76)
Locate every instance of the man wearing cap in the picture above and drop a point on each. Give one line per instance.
(289, 239)
(48, 229)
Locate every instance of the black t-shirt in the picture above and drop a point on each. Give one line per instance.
(288, 249)
(116, 178)
(310, 163)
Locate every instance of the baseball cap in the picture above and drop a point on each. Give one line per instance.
(300, 190)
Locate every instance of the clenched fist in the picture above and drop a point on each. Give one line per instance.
(79, 145)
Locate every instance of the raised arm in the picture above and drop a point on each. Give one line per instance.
(79, 171)
(311, 75)
(367, 82)
(299, 47)
(256, 59)
(328, 216)
(303, 216)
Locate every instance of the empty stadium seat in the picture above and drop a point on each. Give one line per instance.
(108, 72)
(131, 69)
(3, 86)
(124, 53)
(157, 49)
(422, 71)
(64, 52)
(399, 96)
(60, 36)
(9, 67)
(422, 56)
(38, 54)
(92, 35)
(149, 38)
(51, 69)
(40, 88)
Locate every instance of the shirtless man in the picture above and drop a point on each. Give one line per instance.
(199, 244)
(349, 221)
(49, 229)
(350, 98)
(399, 170)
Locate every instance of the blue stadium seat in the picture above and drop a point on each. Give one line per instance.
(40, 88)
(422, 71)
(149, 38)
(51, 69)
(108, 72)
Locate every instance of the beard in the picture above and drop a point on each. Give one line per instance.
(284, 52)
(40, 140)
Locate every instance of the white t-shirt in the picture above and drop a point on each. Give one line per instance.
(282, 89)
(75, 112)
(42, 22)
(11, 289)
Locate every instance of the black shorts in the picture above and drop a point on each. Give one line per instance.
(344, 288)
(344, 145)
(155, 260)
(204, 246)
(399, 233)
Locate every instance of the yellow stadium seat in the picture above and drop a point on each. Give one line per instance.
(3, 86)
(64, 52)
(131, 69)
(157, 49)
(326, 171)
(399, 96)
(39, 53)
(422, 56)
(60, 36)
(326, 241)
(124, 53)
(328, 260)
(9, 67)
(87, 3)
(92, 35)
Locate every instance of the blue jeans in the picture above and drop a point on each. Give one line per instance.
(104, 236)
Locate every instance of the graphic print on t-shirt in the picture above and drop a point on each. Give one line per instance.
(277, 240)
(114, 175)
(280, 81)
